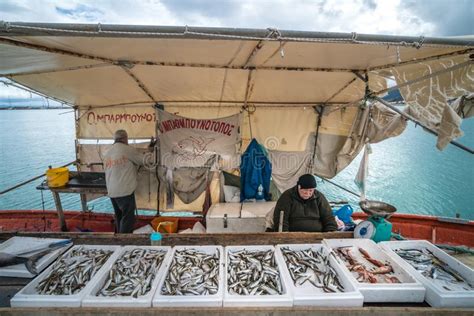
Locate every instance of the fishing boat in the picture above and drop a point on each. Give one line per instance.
(313, 100)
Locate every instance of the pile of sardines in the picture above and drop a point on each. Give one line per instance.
(368, 269)
(312, 267)
(133, 273)
(70, 274)
(253, 273)
(434, 268)
(192, 272)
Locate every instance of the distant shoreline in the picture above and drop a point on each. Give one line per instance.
(34, 108)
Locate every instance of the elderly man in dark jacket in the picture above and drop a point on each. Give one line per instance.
(305, 209)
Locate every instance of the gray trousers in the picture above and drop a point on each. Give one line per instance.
(124, 208)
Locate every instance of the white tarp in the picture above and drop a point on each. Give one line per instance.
(189, 142)
(428, 99)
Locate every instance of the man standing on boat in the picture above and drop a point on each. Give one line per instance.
(121, 164)
(304, 208)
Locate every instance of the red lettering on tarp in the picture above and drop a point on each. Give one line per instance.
(91, 118)
(208, 125)
(94, 118)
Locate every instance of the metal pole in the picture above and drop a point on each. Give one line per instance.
(59, 208)
(409, 117)
(110, 30)
(30, 180)
(280, 224)
(339, 186)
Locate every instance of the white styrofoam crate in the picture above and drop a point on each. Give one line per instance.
(409, 290)
(256, 209)
(220, 209)
(214, 300)
(224, 218)
(29, 297)
(92, 300)
(309, 295)
(230, 300)
(18, 244)
(436, 295)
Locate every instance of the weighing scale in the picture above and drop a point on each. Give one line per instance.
(376, 227)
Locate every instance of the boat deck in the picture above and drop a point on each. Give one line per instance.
(10, 286)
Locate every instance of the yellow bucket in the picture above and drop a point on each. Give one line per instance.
(57, 177)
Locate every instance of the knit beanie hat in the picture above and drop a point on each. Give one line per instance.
(307, 181)
(120, 135)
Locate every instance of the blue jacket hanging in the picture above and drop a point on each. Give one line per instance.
(255, 173)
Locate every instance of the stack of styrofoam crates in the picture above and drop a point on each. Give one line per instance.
(309, 295)
(409, 290)
(284, 299)
(18, 244)
(214, 300)
(436, 294)
(91, 299)
(29, 296)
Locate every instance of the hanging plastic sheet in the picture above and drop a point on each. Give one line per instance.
(428, 99)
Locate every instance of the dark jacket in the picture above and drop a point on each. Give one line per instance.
(312, 215)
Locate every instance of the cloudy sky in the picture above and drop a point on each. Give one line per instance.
(404, 17)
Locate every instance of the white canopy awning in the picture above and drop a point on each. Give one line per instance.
(100, 65)
(113, 69)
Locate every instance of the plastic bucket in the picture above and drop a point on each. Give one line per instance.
(165, 225)
(57, 177)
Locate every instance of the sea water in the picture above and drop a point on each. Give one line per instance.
(407, 171)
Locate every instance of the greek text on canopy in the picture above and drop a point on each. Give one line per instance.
(207, 125)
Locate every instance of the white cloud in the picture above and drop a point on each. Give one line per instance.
(363, 16)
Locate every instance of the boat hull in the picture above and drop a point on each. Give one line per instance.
(438, 230)
(434, 229)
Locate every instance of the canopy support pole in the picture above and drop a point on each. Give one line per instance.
(157, 63)
(319, 110)
(339, 186)
(248, 92)
(420, 60)
(340, 90)
(140, 84)
(24, 88)
(31, 180)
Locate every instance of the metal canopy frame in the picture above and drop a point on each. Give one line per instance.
(111, 30)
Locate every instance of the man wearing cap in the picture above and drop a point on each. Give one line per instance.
(304, 208)
(121, 164)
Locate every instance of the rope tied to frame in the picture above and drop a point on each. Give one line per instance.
(7, 26)
(273, 33)
(419, 43)
(250, 109)
(354, 36)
